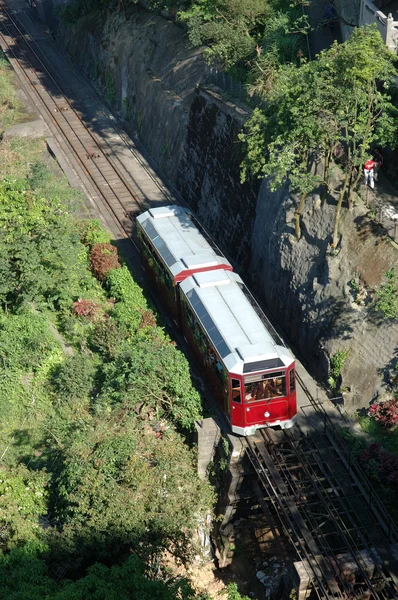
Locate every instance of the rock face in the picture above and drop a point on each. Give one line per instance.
(157, 85)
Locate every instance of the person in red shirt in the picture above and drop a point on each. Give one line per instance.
(368, 171)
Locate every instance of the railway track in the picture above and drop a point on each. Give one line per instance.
(342, 534)
(91, 157)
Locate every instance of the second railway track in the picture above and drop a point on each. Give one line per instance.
(88, 153)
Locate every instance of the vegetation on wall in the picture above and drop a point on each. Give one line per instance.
(386, 301)
(236, 34)
(339, 102)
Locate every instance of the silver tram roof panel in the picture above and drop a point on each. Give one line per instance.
(177, 239)
(238, 333)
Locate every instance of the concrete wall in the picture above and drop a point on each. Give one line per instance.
(386, 25)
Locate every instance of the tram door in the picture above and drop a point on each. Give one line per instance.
(236, 412)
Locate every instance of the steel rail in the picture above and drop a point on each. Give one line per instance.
(289, 524)
(280, 477)
(351, 545)
(366, 534)
(110, 117)
(351, 464)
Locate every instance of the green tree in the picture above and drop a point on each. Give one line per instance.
(152, 377)
(282, 141)
(229, 28)
(41, 256)
(342, 98)
(122, 485)
(74, 378)
(356, 80)
(23, 500)
(23, 576)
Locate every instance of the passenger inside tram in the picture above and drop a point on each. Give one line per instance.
(265, 389)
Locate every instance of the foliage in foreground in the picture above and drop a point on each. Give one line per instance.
(22, 575)
(381, 466)
(93, 395)
(385, 413)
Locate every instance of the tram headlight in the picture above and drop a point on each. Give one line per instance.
(267, 414)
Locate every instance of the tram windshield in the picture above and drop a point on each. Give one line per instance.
(265, 387)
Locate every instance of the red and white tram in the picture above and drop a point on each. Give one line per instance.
(173, 248)
(251, 372)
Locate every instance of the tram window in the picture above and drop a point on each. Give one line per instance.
(156, 263)
(266, 388)
(291, 380)
(236, 395)
(198, 334)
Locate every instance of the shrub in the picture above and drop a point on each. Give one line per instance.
(337, 362)
(85, 308)
(74, 378)
(122, 287)
(25, 340)
(148, 319)
(130, 301)
(385, 413)
(23, 499)
(95, 233)
(103, 258)
(106, 338)
(380, 465)
(387, 296)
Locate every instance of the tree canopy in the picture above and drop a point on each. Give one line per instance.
(95, 399)
(342, 98)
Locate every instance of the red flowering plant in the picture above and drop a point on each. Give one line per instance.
(85, 308)
(103, 258)
(380, 465)
(385, 413)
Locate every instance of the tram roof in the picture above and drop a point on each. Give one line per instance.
(238, 329)
(177, 239)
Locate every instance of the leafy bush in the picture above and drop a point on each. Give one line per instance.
(103, 258)
(232, 593)
(130, 301)
(337, 362)
(385, 413)
(95, 233)
(25, 340)
(385, 462)
(107, 337)
(23, 499)
(387, 296)
(123, 288)
(41, 257)
(86, 308)
(153, 378)
(39, 175)
(122, 487)
(24, 576)
(74, 378)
